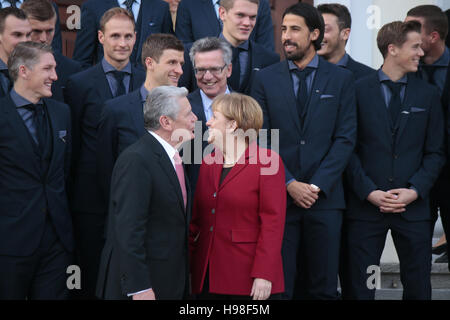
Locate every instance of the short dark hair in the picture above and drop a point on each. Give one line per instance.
(395, 33)
(338, 10)
(26, 53)
(41, 10)
(435, 19)
(10, 11)
(313, 19)
(156, 43)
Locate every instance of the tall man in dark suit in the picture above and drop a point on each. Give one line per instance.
(145, 255)
(238, 18)
(398, 157)
(338, 22)
(122, 120)
(198, 19)
(42, 18)
(312, 104)
(57, 41)
(14, 28)
(434, 66)
(151, 16)
(211, 59)
(86, 93)
(36, 240)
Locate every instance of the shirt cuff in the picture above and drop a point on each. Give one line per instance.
(132, 294)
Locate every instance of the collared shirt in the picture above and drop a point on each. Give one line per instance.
(386, 92)
(135, 8)
(314, 63)
(207, 102)
(243, 57)
(216, 6)
(7, 4)
(4, 82)
(113, 85)
(440, 74)
(344, 61)
(167, 147)
(25, 113)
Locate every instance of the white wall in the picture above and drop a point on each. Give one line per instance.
(368, 16)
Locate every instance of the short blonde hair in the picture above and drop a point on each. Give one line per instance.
(115, 12)
(241, 108)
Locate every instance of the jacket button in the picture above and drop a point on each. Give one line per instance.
(391, 179)
(213, 211)
(302, 142)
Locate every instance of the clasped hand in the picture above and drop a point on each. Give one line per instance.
(303, 194)
(392, 201)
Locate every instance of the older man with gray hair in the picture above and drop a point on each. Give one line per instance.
(145, 256)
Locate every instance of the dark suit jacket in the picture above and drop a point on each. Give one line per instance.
(86, 93)
(319, 151)
(26, 194)
(121, 124)
(155, 19)
(197, 19)
(259, 58)
(413, 156)
(359, 70)
(146, 244)
(65, 68)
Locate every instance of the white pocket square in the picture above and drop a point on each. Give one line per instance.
(62, 135)
(415, 109)
(325, 96)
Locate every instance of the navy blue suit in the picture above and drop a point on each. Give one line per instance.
(86, 93)
(197, 19)
(155, 18)
(316, 153)
(65, 68)
(258, 58)
(33, 205)
(359, 70)
(121, 124)
(406, 154)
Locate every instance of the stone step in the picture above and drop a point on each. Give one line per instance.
(396, 294)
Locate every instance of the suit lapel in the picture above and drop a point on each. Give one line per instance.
(239, 166)
(53, 125)
(101, 83)
(286, 86)
(137, 112)
(197, 106)
(209, 14)
(410, 98)
(377, 100)
(147, 18)
(135, 82)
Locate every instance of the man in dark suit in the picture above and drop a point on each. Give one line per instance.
(398, 157)
(338, 22)
(14, 28)
(145, 255)
(151, 16)
(311, 103)
(122, 120)
(238, 18)
(433, 68)
(86, 93)
(57, 42)
(211, 59)
(42, 18)
(198, 19)
(36, 239)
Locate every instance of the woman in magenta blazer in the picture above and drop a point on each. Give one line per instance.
(239, 210)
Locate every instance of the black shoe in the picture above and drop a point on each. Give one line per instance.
(442, 259)
(439, 249)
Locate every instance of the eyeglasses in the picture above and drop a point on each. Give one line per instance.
(215, 71)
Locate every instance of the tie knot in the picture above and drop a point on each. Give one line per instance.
(129, 4)
(13, 3)
(177, 158)
(119, 75)
(395, 87)
(38, 108)
(303, 74)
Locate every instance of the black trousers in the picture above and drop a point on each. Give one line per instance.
(40, 276)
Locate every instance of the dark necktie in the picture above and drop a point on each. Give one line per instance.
(216, 6)
(395, 103)
(119, 75)
(39, 124)
(302, 92)
(129, 5)
(430, 70)
(236, 70)
(13, 3)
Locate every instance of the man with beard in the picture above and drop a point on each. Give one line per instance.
(338, 22)
(312, 104)
(122, 120)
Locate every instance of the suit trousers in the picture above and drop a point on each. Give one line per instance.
(366, 240)
(314, 235)
(89, 234)
(40, 276)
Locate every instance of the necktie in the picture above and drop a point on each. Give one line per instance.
(395, 103)
(13, 3)
(129, 5)
(180, 174)
(302, 92)
(430, 70)
(39, 124)
(236, 70)
(119, 75)
(216, 8)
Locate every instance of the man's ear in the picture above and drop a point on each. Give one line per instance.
(101, 36)
(165, 122)
(345, 34)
